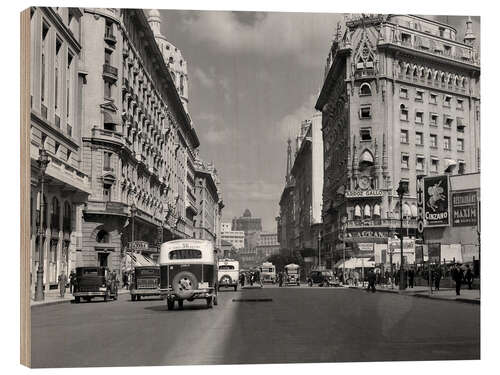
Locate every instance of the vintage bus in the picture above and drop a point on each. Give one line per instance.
(188, 271)
(268, 272)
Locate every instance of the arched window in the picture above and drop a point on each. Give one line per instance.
(67, 217)
(429, 74)
(376, 210)
(414, 210)
(357, 212)
(367, 211)
(365, 90)
(102, 236)
(54, 224)
(406, 210)
(415, 71)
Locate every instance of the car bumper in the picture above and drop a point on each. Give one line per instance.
(89, 294)
(145, 292)
(198, 294)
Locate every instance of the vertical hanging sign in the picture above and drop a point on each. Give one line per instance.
(436, 201)
(420, 207)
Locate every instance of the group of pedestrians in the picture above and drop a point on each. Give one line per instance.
(62, 281)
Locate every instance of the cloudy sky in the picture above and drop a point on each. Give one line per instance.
(253, 77)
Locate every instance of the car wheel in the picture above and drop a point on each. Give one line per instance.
(106, 296)
(170, 304)
(77, 299)
(310, 283)
(133, 296)
(210, 302)
(184, 283)
(180, 303)
(138, 298)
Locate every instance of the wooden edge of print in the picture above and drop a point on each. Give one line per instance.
(25, 342)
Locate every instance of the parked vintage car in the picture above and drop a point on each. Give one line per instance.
(95, 282)
(188, 271)
(321, 278)
(292, 274)
(229, 272)
(145, 282)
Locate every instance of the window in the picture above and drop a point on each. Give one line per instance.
(108, 93)
(434, 165)
(448, 121)
(447, 101)
(107, 161)
(55, 214)
(419, 139)
(366, 134)
(365, 90)
(461, 167)
(365, 112)
(403, 93)
(447, 143)
(419, 96)
(56, 73)
(433, 99)
(185, 254)
(460, 104)
(405, 158)
(109, 29)
(102, 236)
(403, 116)
(460, 125)
(406, 186)
(460, 144)
(106, 193)
(434, 119)
(419, 117)
(433, 139)
(107, 57)
(68, 85)
(404, 136)
(420, 163)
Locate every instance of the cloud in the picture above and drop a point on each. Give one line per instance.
(289, 125)
(270, 34)
(206, 79)
(253, 190)
(213, 135)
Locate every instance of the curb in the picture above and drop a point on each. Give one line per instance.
(419, 295)
(58, 302)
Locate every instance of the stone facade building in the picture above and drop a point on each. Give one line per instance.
(400, 98)
(56, 122)
(235, 237)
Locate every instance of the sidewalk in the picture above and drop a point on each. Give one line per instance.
(448, 294)
(55, 300)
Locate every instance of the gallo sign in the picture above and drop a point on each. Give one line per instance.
(436, 200)
(138, 246)
(363, 193)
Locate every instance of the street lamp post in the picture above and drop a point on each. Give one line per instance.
(319, 249)
(401, 191)
(343, 221)
(133, 211)
(43, 161)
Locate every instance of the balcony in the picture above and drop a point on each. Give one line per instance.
(110, 72)
(109, 38)
(107, 135)
(377, 222)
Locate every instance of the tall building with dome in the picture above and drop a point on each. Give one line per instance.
(400, 98)
(172, 57)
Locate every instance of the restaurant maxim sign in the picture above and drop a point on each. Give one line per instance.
(464, 208)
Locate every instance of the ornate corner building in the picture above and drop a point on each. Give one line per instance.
(400, 98)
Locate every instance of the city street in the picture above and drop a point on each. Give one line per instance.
(270, 325)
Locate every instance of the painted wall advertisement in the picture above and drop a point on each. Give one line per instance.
(436, 201)
(464, 208)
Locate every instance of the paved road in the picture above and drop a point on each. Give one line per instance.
(298, 325)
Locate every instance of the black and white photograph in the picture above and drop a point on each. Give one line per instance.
(219, 187)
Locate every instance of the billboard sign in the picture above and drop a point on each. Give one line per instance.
(420, 207)
(436, 201)
(464, 208)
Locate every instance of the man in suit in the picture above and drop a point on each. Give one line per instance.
(458, 277)
(62, 280)
(371, 281)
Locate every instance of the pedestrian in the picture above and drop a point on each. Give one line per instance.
(72, 281)
(458, 277)
(356, 278)
(125, 279)
(371, 281)
(469, 277)
(411, 277)
(437, 277)
(62, 280)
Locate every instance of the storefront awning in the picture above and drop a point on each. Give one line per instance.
(355, 263)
